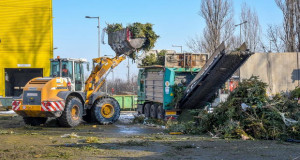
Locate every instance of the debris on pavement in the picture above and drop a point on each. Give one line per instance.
(72, 135)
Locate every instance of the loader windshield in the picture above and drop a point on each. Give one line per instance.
(65, 71)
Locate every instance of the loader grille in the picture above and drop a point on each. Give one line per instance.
(32, 98)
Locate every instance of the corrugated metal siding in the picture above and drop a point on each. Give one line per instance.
(154, 86)
(26, 35)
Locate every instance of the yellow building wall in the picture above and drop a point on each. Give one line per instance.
(26, 36)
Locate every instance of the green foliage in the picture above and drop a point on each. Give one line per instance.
(140, 30)
(154, 121)
(92, 140)
(295, 93)
(262, 119)
(178, 91)
(251, 92)
(149, 60)
(161, 57)
(133, 55)
(153, 59)
(138, 119)
(113, 27)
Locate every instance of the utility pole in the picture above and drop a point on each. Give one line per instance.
(98, 33)
(240, 30)
(128, 72)
(178, 46)
(181, 52)
(270, 46)
(239, 71)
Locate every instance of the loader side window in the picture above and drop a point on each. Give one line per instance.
(78, 76)
(55, 69)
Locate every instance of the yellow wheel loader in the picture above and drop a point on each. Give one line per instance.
(64, 94)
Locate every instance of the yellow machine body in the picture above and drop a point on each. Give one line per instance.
(98, 76)
(47, 90)
(44, 92)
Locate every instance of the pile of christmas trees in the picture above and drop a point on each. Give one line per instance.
(248, 114)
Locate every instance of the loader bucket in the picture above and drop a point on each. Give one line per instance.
(122, 42)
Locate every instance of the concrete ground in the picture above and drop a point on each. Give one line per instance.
(125, 140)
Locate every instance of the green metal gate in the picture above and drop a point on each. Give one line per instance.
(127, 102)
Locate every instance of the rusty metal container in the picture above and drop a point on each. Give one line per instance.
(185, 60)
(123, 43)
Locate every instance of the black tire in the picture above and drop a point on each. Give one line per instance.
(140, 109)
(88, 117)
(153, 111)
(103, 116)
(147, 110)
(160, 112)
(67, 119)
(34, 121)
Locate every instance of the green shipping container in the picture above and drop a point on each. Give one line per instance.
(127, 102)
(5, 102)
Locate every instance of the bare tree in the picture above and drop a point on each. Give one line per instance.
(251, 29)
(289, 11)
(297, 22)
(218, 15)
(275, 37)
(233, 42)
(121, 86)
(194, 44)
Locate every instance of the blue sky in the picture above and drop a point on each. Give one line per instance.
(174, 20)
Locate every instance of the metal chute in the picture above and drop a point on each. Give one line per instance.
(217, 70)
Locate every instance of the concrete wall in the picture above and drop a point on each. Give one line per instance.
(279, 70)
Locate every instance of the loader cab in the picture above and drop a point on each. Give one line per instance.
(71, 69)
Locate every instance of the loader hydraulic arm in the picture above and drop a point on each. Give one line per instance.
(102, 66)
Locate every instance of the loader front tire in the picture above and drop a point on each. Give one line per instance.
(72, 114)
(106, 111)
(34, 121)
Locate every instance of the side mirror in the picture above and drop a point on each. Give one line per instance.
(88, 66)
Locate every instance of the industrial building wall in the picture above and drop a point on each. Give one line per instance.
(26, 36)
(279, 70)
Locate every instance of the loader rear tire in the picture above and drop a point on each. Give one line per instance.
(34, 121)
(72, 114)
(106, 111)
(147, 110)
